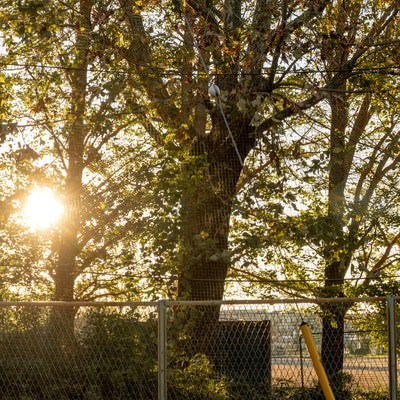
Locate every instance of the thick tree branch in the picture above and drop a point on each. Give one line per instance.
(139, 57)
(368, 168)
(208, 12)
(361, 121)
(380, 265)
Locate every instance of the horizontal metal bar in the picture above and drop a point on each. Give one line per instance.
(276, 301)
(193, 302)
(78, 303)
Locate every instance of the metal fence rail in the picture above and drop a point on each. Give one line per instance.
(190, 350)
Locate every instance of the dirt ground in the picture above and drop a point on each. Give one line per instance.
(369, 375)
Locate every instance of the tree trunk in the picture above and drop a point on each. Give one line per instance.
(206, 210)
(62, 319)
(207, 200)
(335, 252)
(77, 131)
(332, 344)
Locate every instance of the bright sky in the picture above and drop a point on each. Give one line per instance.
(42, 209)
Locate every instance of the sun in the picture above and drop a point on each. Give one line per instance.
(42, 209)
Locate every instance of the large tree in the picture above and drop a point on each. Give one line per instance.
(237, 71)
(252, 51)
(338, 232)
(68, 128)
(352, 186)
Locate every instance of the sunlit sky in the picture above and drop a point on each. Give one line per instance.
(42, 209)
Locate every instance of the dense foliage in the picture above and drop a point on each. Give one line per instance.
(201, 143)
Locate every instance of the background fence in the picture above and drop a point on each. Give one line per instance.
(189, 350)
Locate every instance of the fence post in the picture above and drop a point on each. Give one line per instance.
(391, 326)
(162, 350)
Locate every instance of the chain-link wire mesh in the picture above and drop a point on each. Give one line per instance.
(256, 351)
(213, 350)
(223, 354)
(107, 353)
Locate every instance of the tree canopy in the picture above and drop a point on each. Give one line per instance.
(197, 141)
(95, 91)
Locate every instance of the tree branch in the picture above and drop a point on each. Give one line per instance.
(345, 72)
(139, 57)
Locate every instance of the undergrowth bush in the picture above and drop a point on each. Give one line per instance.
(113, 355)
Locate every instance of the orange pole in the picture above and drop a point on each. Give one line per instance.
(319, 368)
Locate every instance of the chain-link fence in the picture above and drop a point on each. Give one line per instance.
(197, 350)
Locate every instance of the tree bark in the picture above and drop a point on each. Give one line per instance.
(206, 211)
(332, 345)
(335, 251)
(332, 350)
(65, 274)
(207, 201)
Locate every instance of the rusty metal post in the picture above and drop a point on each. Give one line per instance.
(391, 327)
